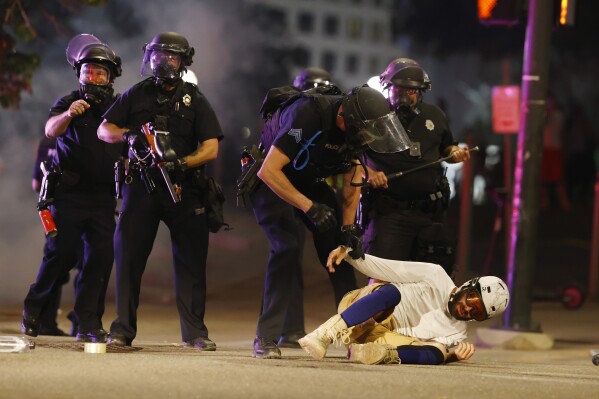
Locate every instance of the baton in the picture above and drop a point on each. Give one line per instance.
(405, 172)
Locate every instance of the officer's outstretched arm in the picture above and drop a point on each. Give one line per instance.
(272, 174)
(207, 151)
(111, 133)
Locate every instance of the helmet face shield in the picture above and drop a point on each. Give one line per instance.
(95, 74)
(161, 64)
(478, 311)
(383, 135)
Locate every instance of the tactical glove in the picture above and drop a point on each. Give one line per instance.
(322, 216)
(350, 239)
(178, 165)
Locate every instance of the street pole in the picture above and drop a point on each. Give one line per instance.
(525, 200)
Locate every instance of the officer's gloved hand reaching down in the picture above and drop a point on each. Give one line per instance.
(322, 216)
(350, 239)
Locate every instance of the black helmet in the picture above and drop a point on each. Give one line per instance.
(87, 51)
(405, 72)
(100, 54)
(312, 77)
(164, 72)
(86, 48)
(370, 122)
(401, 76)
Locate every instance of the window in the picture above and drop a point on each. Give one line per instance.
(329, 59)
(373, 65)
(352, 63)
(305, 21)
(331, 25)
(354, 28)
(376, 32)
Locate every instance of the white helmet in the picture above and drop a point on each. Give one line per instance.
(492, 292)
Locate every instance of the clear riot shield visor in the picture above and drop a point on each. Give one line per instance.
(161, 62)
(384, 135)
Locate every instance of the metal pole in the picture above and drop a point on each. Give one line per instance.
(594, 266)
(465, 221)
(525, 213)
(507, 176)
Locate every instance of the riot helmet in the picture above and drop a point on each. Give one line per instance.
(97, 66)
(312, 77)
(405, 80)
(166, 57)
(369, 122)
(488, 296)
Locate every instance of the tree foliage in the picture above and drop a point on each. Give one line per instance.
(30, 23)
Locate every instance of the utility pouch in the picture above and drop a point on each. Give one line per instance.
(213, 197)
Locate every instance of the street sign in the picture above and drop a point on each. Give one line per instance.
(506, 109)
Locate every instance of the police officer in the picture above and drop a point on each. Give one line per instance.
(406, 212)
(194, 131)
(317, 137)
(45, 152)
(84, 203)
(286, 232)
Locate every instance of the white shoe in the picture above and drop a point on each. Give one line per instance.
(317, 342)
(372, 353)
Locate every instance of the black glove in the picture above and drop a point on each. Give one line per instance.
(322, 216)
(178, 165)
(349, 238)
(137, 141)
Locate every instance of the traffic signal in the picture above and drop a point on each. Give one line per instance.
(500, 12)
(566, 12)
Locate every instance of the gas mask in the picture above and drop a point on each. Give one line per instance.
(405, 101)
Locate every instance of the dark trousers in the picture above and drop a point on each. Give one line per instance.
(49, 312)
(278, 285)
(409, 234)
(286, 234)
(136, 230)
(81, 219)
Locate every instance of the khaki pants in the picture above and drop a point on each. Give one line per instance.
(371, 331)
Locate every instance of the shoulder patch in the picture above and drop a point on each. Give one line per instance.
(296, 134)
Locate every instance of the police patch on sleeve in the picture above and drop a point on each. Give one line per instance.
(296, 134)
(187, 100)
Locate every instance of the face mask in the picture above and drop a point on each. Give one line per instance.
(95, 94)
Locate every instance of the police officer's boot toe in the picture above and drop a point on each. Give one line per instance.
(266, 349)
(202, 343)
(97, 336)
(117, 340)
(30, 325)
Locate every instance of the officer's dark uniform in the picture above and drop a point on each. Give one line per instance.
(406, 213)
(313, 146)
(83, 210)
(45, 152)
(191, 121)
